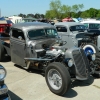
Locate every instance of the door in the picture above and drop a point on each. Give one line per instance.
(18, 47)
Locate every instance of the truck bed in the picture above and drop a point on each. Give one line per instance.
(5, 39)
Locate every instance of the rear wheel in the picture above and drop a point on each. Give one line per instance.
(57, 78)
(2, 52)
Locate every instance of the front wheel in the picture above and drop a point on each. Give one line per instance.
(57, 78)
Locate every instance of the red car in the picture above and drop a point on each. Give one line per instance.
(5, 27)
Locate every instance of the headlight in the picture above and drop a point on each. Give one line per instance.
(70, 63)
(93, 57)
(2, 73)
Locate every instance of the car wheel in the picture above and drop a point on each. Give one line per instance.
(2, 52)
(57, 78)
(90, 48)
(97, 62)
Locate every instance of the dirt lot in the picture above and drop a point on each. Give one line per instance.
(24, 85)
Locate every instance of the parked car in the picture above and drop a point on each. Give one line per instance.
(30, 45)
(5, 25)
(75, 34)
(93, 28)
(3, 88)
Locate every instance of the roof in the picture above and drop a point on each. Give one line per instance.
(32, 25)
(18, 17)
(68, 23)
(29, 18)
(91, 21)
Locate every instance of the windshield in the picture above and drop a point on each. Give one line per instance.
(78, 28)
(42, 33)
(94, 26)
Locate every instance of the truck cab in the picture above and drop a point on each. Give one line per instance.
(71, 33)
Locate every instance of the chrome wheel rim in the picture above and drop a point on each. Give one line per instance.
(54, 79)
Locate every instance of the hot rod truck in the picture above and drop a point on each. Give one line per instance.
(3, 88)
(75, 34)
(30, 46)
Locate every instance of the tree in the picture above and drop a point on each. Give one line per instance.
(66, 11)
(57, 10)
(30, 15)
(76, 8)
(84, 14)
(93, 12)
(98, 15)
(37, 15)
(55, 7)
(42, 15)
(50, 14)
(22, 15)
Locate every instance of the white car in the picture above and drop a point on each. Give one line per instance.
(92, 24)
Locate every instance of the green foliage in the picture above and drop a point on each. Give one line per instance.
(57, 10)
(60, 11)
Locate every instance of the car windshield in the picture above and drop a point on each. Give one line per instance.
(42, 33)
(78, 28)
(94, 26)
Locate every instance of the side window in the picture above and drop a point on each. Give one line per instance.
(61, 29)
(94, 26)
(18, 34)
(86, 25)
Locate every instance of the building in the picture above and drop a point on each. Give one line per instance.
(15, 19)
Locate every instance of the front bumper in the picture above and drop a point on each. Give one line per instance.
(3, 93)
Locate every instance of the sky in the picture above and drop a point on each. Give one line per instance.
(15, 7)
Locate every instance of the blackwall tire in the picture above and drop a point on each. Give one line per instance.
(97, 62)
(2, 52)
(96, 74)
(57, 78)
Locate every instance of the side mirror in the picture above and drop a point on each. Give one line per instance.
(19, 37)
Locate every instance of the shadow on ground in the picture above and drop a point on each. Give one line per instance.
(81, 83)
(36, 71)
(72, 93)
(14, 96)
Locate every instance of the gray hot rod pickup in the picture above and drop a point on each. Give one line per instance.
(3, 88)
(30, 45)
